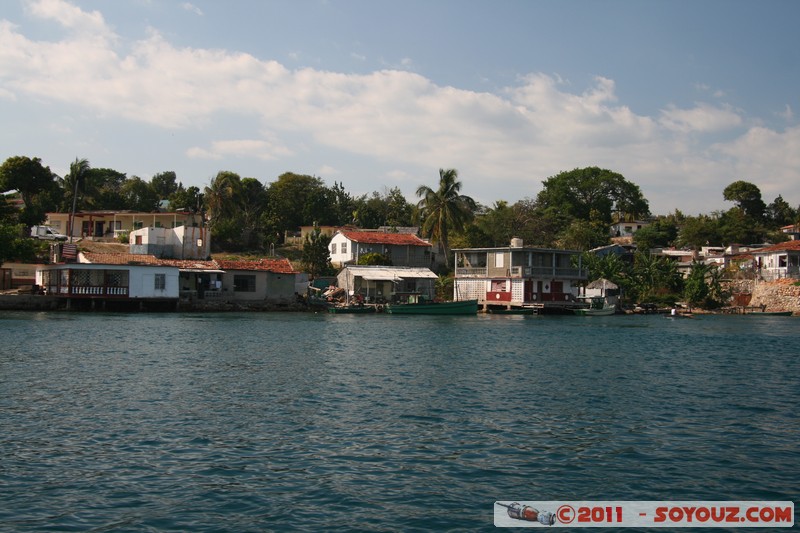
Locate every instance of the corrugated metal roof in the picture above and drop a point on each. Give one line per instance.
(278, 265)
(390, 273)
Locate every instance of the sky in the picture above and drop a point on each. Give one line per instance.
(681, 97)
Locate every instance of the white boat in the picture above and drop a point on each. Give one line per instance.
(595, 306)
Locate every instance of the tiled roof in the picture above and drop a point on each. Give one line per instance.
(379, 237)
(279, 266)
(780, 247)
(121, 259)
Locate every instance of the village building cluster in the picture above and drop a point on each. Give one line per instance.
(168, 263)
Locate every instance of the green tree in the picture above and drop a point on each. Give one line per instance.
(35, 183)
(699, 231)
(138, 195)
(703, 286)
(14, 243)
(164, 184)
(374, 258)
(73, 184)
(583, 235)
(593, 194)
(652, 275)
(444, 209)
(189, 199)
(747, 197)
(224, 198)
(316, 256)
(103, 189)
(660, 233)
(780, 213)
(298, 200)
(254, 207)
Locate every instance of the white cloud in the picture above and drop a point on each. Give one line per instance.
(188, 6)
(257, 148)
(406, 126)
(700, 119)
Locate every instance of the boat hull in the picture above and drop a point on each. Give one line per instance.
(465, 307)
(353, 309)
(606, 311)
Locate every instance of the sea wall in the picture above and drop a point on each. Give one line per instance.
(29, 302)
(778, 295)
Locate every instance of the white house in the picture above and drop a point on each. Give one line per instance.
(110, 281)
(181, 242)
(403, 249)
(627, 229)
(779, 260)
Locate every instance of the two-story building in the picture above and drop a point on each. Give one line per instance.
(518, 276)
(403, 249)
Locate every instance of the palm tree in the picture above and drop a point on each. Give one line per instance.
(76, 177)
(444, 209)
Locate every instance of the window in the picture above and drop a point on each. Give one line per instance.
(138, 240)
(161, 282)
(244, 283)
(344, 248)
(498, 260)
(333, 248)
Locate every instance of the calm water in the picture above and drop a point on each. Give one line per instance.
(255, 422)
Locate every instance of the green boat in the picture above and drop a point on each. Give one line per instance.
(423, 307)
(357, 309)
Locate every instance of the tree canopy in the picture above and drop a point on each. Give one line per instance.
(444, 209)
(593, 194)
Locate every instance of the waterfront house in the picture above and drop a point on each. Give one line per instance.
(144, 281)
(271, 280)
(518, 276)
(778, 261)
(381, 284)
(403, 249)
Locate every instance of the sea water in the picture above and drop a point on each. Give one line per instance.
(276, 421)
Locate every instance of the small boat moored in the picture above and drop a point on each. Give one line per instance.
(421, 306)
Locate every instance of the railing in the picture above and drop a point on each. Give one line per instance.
(772, 274)
(525, 272)
(469, 272)
(96, 290)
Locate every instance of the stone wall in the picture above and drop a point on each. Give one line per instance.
(778, 295)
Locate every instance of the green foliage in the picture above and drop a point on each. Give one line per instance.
(583, 235)
(703, 287)
(138, 195)
(374, 258)
(747, 197)
(164, 184)
(388, 209)
(444, 209)
(661, 233)
(298, 200)
(224, 198)
(316, 256)
(444, 288)
(14, 242)
(780, 213)
(593, 194)
(35, 183)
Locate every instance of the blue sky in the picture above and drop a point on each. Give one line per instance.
(680, 97)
